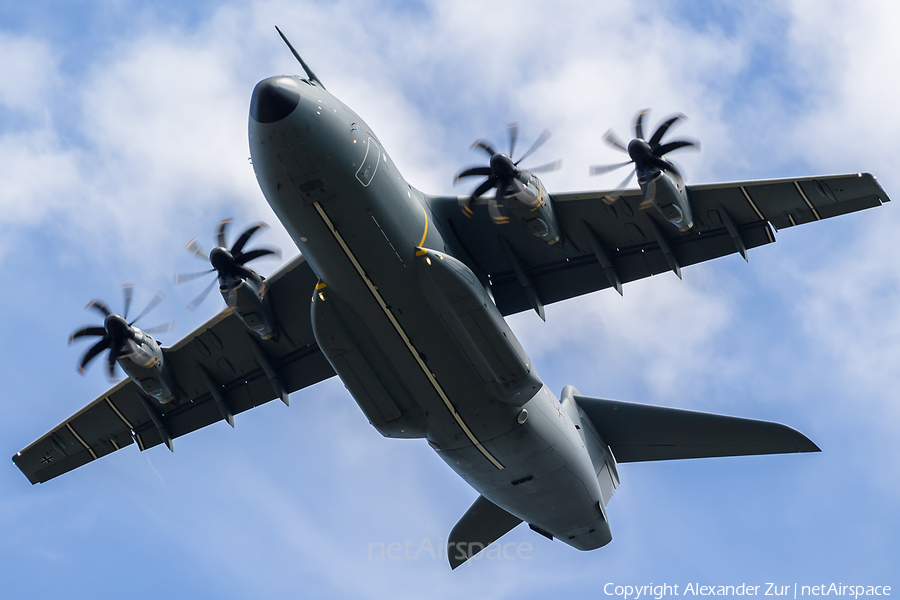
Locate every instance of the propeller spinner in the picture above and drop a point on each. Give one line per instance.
(647, 157)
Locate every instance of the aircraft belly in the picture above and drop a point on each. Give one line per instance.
(392, 346)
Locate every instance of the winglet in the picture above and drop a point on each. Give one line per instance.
(309, 72)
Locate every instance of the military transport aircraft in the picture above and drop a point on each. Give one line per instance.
(403, 296)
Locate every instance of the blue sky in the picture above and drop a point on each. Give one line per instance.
(123, 135)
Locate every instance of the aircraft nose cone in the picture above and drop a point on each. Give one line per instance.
(273, 99)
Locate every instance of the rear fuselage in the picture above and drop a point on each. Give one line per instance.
(408, 328)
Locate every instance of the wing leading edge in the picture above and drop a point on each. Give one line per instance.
(608, 245)
(221, 370)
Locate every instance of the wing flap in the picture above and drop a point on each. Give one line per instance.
(639, 432)
(222, 348)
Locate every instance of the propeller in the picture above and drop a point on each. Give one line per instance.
(229, 264)
(502, 173)
(647, 156)
(116, 330)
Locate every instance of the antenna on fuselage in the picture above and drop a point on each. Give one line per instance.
(309, 73)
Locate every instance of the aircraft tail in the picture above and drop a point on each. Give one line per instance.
(639, 432)
(482, 525)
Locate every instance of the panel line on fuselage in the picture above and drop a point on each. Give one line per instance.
(403, 336)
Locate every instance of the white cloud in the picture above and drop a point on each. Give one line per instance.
(28, 72)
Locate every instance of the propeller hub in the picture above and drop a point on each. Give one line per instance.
(503, 166)
(640, 152)
(222, 260)
(117, 327)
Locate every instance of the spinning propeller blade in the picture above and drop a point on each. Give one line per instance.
(502, 172)
(115, 331)
(228, 264)
(645, 156)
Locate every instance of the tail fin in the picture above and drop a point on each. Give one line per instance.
(639, 432)
(482, 525)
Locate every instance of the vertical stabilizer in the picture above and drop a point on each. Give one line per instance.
(482, 525)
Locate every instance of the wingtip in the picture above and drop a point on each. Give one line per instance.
(809, 446)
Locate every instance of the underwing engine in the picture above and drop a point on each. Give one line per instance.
(139, 355)
(242, 288)
(519, 191)
(143, 361)
(252, 305)
(660, 180)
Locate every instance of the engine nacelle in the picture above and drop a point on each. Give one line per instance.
(531, 204)
(670, 198)
(251, 304)
(142, 360)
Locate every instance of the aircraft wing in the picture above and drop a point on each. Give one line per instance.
(220, 358)
(608, 245)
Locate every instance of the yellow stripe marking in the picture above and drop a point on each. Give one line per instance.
(321, 286)
(115, 445)
(422, 243)
(539, 201)
(83, 443)
(808, 203)
(404, 337)
(747, 196)
(140, 442)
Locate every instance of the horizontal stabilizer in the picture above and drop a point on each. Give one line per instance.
(482, 525)
(638, 432)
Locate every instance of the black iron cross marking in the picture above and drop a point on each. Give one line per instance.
(47, 459)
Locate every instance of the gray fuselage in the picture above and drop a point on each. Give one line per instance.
(417, 363)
